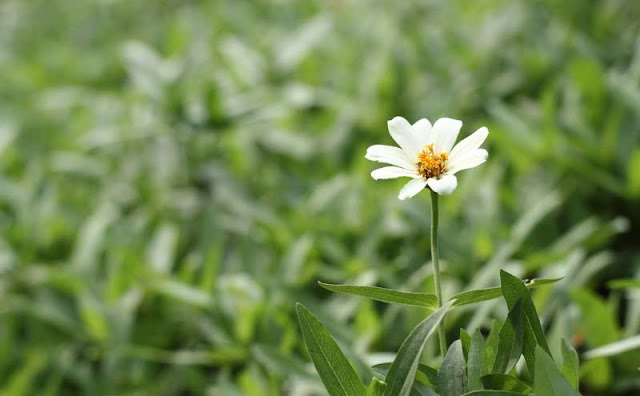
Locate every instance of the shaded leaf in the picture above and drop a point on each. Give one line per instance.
(548, 380)
(452, 376)
(510, 340)
(403, 369)
(513, 290)
(466, 342)
(570, 364)
(335, 371)
(505, 382)
(376, 388)
(476, 362)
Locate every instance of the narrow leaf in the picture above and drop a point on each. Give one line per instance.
(492, 343)
(492, 393)
(548, 380)
(510, 340)
(624, 284)
(452, 376)
(403, 369)
(425, 374)
(479, 295)
(386, 295)
(513, 290)
(505, 382)
(376, 388)
(615, 348)
(335, 371)
(466, 342)
(570, 364)
(477, 361)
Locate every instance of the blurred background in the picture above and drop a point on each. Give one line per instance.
(176, 175)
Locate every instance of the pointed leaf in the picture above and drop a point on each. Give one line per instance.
(492, 393)
(376, 388)
(466, 342)
(403, 369)
(335, 371)
(386, 295)
(452, 376)
(616, 348)
(479, 295)
(570, 364)
(510, 340)
(492, 343)
(513, 290)
(548, 380)
(505, 382)
(477, 361)
(425, 374)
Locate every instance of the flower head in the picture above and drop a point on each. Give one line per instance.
(426, 154)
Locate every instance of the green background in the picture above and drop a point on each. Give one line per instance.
(176, 175)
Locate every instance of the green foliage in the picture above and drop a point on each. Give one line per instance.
(334, 369)
(452, 376)
(548, 379)
(387, 295)
(175, 175)
(403, 370)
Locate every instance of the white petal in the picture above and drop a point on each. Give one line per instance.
(402, 132)
(391, 172)
(443, 186)
(422, 132)
(412, 188)
(389, 155)
(445, 132)
(469, 144)
(467, 161)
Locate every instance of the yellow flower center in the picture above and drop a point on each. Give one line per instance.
(431, 164)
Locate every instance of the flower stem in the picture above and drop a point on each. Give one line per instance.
(436, 267)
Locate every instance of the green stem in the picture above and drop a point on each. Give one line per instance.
(436, 267)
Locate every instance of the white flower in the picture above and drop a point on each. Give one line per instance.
(427, 155)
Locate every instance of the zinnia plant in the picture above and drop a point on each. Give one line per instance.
(472, 365)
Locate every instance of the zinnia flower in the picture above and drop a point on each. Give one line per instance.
(427, 155)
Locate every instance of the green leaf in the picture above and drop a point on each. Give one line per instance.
(492, 343)
(510, 340)
(570, 364)
(624, 284)
(505, 382)
(452, 376)
(616, 348)
(513, 290)
(466, 342)
(492, 393)
(403, 369)
(479, 295)
(548, 380)
(477, 361)
(386, 295)
(376, 388)
(425, 374)
(335, 371)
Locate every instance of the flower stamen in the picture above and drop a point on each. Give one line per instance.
(431, 164)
